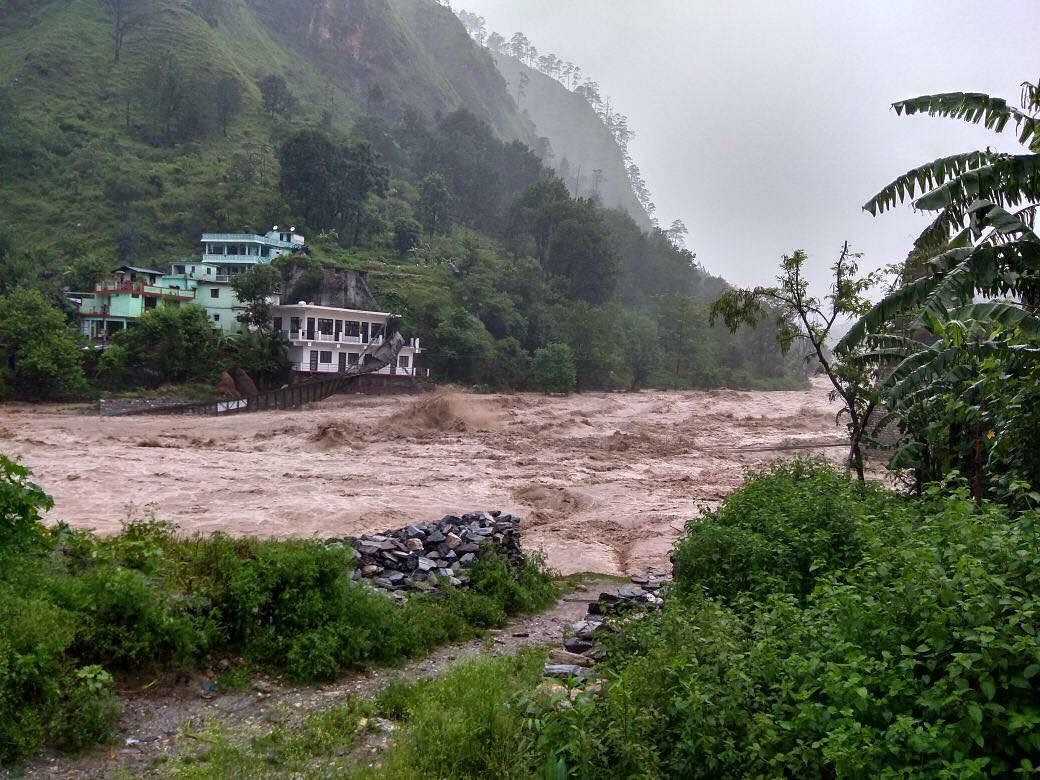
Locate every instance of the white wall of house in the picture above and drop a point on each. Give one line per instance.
(327, 339)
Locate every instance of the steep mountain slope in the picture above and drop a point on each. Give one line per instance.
(577, 136)
(92, 150)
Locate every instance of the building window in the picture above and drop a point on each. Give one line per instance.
(352, 358)
(214, 293)
(294, 324)
(216, 318)
(325, 326)
(264, 251)
(325, 356)
(377, 330)
(351, 328)
(277, 323)
(402, 361)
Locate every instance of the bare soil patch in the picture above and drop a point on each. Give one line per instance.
(604, 481)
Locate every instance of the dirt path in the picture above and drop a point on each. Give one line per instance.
(603, 481)
(161, 722)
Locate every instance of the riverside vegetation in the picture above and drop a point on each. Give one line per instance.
(820, 625)
(816, 627)
(76, 611)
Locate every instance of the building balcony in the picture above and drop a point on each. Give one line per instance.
(140, 288)
(243, 260)
(333, 368)
(313, 337)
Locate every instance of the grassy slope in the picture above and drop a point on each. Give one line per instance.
(56, 67)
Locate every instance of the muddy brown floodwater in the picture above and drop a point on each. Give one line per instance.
(604, 481)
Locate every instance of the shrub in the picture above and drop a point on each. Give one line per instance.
(20, 505)
(781, 532)
(463, 724)
(521, 588)
(917, 656)
(553, 370)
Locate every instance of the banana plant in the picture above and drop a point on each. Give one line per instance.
(981, 241)
(950, 392)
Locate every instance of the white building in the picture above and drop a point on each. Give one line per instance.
(327, 339)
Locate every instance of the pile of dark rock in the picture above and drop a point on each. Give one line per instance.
(418, 557)
(584, 645)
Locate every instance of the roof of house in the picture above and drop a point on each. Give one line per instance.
(247, 238)
(135, 269)
(329, 309)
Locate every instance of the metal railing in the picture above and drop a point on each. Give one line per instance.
(140, 288)
(329, 338)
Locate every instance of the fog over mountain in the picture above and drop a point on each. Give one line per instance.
(765, 126)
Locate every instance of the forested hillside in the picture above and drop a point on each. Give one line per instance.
(170, 130)
(385, 134)
(585, 153)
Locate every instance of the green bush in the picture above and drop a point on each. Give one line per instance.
(74, 608)
(462, 725)
(915, 654)
(553, 370)
(780, 533)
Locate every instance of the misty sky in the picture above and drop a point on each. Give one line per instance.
(765, 124)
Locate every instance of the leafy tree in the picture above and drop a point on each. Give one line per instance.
(127, 15)
(228, 94)
(86, 271)
(591, 332)
(407, 233)
(581, 252)
(39, 358)
(113, 367)
(958, 334)
(801, 317)
(254, 288)
(329, 184)
(962, 396)
(553, 369)
(460, 347)
(435, 203)
(509, 366)
(177, 343)
(262, 355)
(277, 97)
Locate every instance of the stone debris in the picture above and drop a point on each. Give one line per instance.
(584, 647)
(417, 558)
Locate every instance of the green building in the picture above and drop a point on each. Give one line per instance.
(115, 303)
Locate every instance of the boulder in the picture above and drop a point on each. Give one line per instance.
(245, 384)
(226, 386)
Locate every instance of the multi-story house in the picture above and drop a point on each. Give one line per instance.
(328, 339)
(117, 302)
(323, 338)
